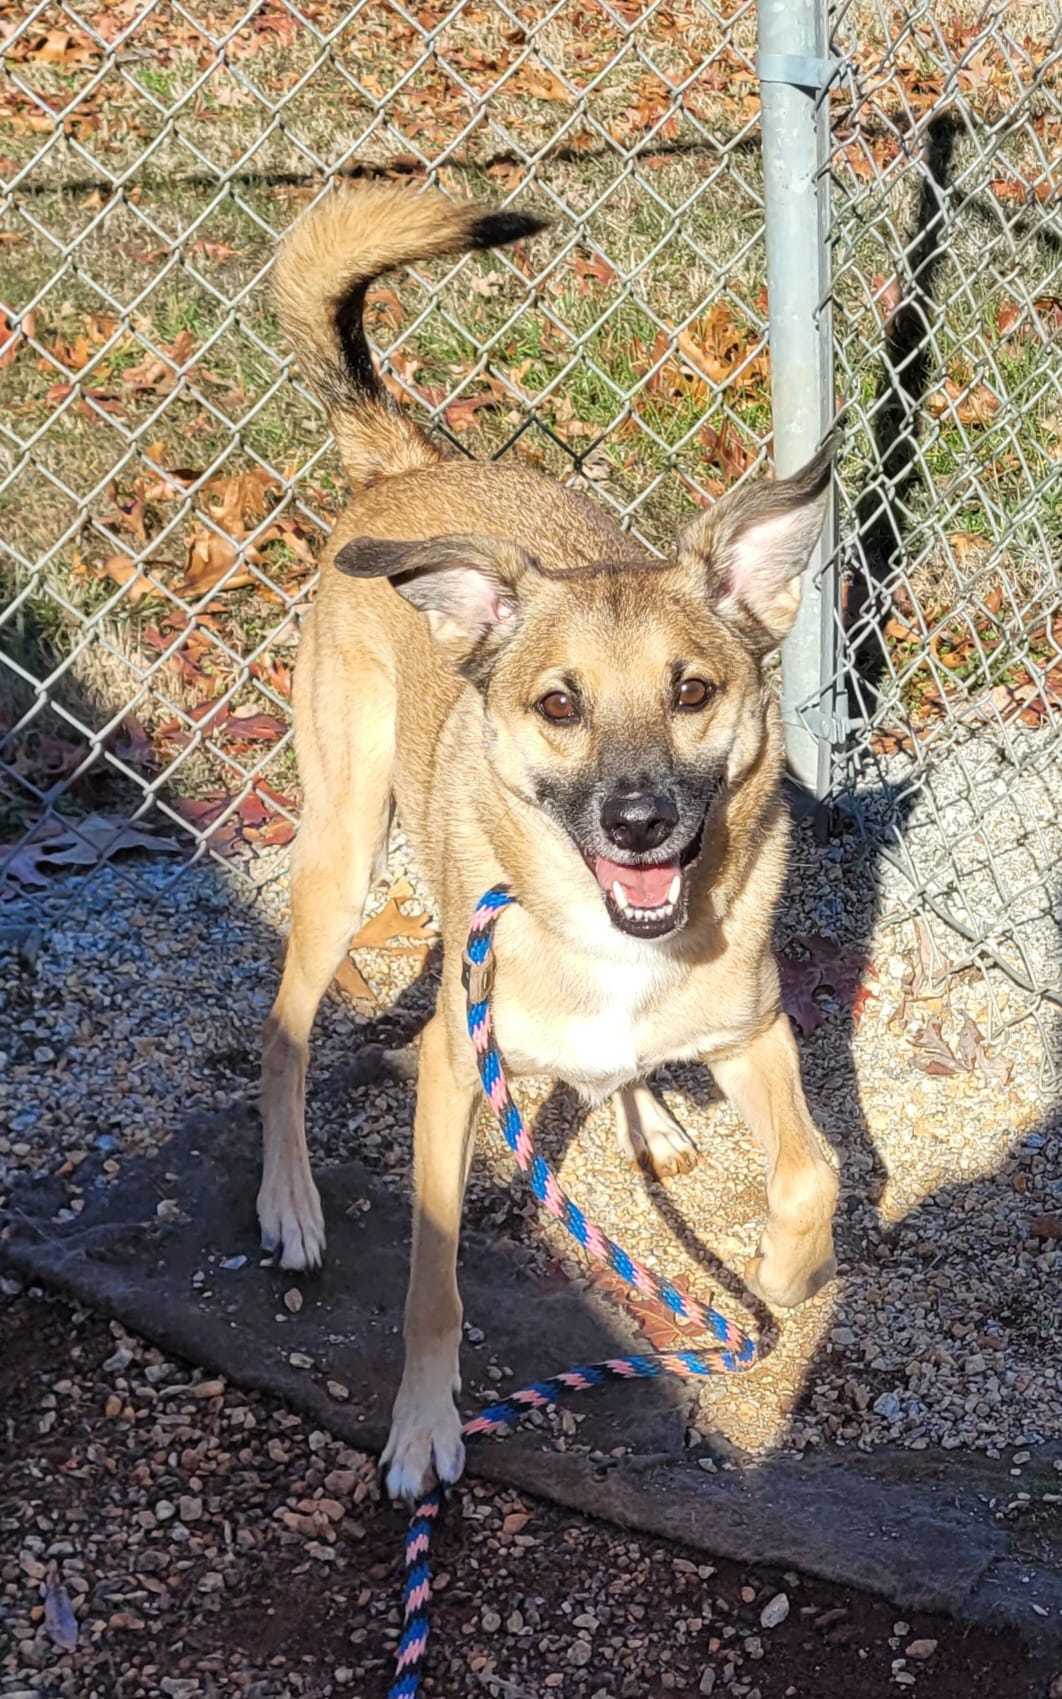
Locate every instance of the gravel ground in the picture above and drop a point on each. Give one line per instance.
(200, 1543)
(146, 1003)
(981, 836)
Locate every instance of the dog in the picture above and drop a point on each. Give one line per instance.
(545, 704)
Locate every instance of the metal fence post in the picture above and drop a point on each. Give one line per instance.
(794, 76)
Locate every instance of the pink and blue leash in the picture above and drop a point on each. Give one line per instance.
(731, 1352)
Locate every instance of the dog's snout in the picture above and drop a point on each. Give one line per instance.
(638, 820)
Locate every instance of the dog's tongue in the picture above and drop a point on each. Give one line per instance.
(644, 887)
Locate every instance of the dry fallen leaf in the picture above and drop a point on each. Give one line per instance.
(75, 352)
(92, 402)
(827, 968)
(10, 337)
(951, 651)
(392, 929)
(130, 516)
(384, 306)
(594, 270)
(63, 47)
(934, 1055)
(967, 544)
(1048, 309)
(968, 1044)
(969, 404)
(201, 812)
(400, 379)
(210, 557)
(462, 413)
(800, 980)
(151, 376)
(653, 1319)
(350, 979)
(723, 448)
(55, 845)
(211, 250)
(1009, 318)
(723, 348)
(121, 570)
(275, 831)
(891, 741)
(888, 295)
(287, 532)
(541, 84)
(239, 501)
(274, 674)
(129, 742)
(252, 728)
(1046, 1226)
(1011, 700)
(1012, 189)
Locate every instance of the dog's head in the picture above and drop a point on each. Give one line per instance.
(622, 699)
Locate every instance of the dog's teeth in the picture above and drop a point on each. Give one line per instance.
(647, 911)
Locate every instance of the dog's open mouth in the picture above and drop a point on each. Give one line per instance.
(647, 899)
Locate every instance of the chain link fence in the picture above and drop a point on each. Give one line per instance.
(947, 310)
(166, 481)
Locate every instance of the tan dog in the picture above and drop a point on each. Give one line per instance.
(547, 705)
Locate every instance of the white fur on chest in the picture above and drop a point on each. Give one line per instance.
(603, 1027)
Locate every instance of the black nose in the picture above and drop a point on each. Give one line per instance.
(638, 820)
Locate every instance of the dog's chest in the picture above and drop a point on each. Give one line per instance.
(596, 1025)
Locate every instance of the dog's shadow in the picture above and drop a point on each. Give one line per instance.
(561, 1120)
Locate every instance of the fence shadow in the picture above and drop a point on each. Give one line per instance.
(50, 747)
(908, 369)
(882, 512)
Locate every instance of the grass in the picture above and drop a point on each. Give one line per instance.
(564, 335)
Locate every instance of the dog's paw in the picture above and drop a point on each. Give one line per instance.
(784, 1287)
(289, 1215)
(424, 1446)
(649, 1137)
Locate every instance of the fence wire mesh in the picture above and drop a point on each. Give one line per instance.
(947, 312)
(166, 479)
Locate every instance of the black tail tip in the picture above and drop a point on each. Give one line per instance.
(494, 229)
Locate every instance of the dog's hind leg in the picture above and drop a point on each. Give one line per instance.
(339, 849)
(648, 1134)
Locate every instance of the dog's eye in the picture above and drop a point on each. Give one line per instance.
(694, 693)
(558, 706)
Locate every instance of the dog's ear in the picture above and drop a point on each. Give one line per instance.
(750, 549)
(467, 586)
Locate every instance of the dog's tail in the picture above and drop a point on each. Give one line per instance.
(323, 273)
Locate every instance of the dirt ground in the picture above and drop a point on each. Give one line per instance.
(211, 1543)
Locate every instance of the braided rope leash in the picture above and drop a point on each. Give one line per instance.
(730, 1352)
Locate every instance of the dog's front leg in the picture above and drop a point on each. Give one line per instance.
(425, 1441)
(795, 1257)
(648, 1134)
